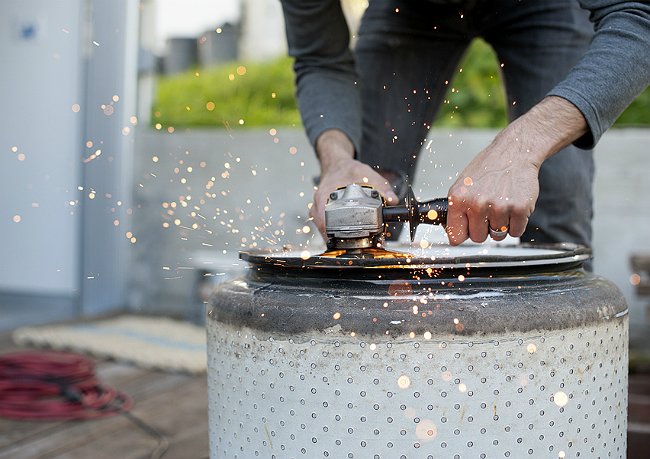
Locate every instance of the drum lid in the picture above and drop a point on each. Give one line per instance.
(405, 256)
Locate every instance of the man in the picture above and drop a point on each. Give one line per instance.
(570, 67)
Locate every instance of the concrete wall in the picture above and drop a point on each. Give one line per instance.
(229, 169)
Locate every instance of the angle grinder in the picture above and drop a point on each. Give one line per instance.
(356, 217)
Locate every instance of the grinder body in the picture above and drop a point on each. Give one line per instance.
(356, 216)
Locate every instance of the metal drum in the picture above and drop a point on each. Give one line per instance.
(441, 352)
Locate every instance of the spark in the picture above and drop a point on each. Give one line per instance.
(560, 398)
(403, 382)
(426, 430)
(17, 219)
(108, 109)
(92, 156)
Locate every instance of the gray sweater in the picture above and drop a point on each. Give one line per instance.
(615, 69)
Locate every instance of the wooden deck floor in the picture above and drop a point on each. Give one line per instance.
(174, 404)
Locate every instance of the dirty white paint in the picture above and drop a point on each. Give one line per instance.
(550, 394)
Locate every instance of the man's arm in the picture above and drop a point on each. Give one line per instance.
(328, 97)
(614, 70)
(326, 78)
(500, 186)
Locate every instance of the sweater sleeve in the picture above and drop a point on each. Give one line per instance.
(614, 70)
(326, 77)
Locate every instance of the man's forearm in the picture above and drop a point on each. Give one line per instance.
(326, 77)
(332, 147)
(546, 128)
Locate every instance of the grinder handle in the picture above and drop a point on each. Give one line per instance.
(433, 212)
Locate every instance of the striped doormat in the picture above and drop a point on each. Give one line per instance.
(158, 343)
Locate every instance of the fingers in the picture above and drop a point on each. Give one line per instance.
(317, 216)
(457, 222)
(498, 222)
(474, 219)
(518, 222)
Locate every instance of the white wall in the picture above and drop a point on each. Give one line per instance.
(67, 103)
(40, 136)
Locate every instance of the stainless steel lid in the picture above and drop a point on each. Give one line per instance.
(409, 257)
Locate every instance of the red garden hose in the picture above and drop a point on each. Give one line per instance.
(51, 385)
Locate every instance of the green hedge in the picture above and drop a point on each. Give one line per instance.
(238, 95)
(257, 94)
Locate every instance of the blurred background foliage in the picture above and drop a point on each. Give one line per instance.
(262, 95)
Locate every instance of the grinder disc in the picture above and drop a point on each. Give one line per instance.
(405, 256)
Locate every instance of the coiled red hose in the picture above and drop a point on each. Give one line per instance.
(52, 385)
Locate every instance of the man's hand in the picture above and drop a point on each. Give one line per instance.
(499, 188)
(339, 168)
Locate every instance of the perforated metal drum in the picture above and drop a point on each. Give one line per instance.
(441, 352)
